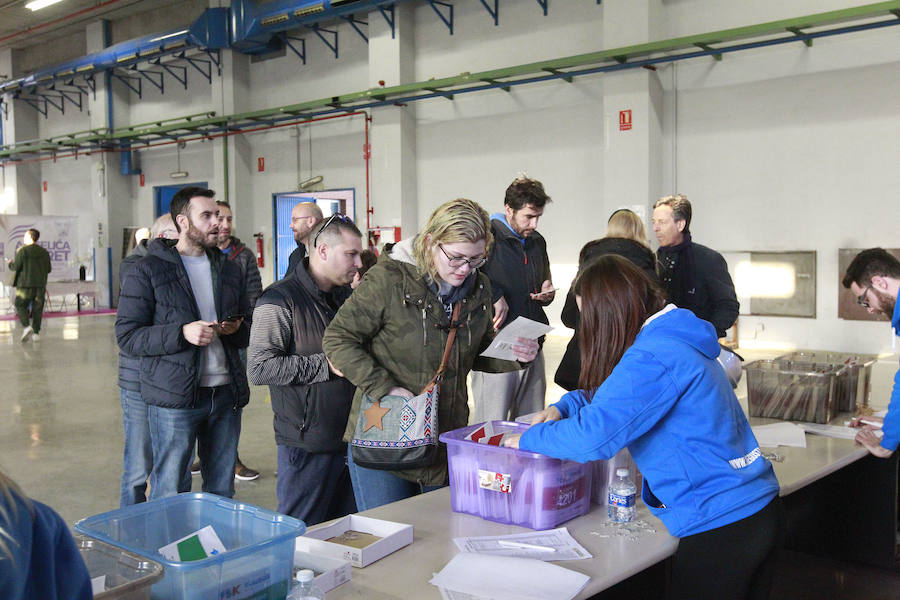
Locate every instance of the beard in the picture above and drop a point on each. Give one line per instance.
(886, 301)
(204, 240)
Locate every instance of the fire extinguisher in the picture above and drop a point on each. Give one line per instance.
(260, 261)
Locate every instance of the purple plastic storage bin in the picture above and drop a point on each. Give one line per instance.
(514, 486)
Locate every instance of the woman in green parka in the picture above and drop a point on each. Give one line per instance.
(389, 337)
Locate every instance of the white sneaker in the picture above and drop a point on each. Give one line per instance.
(27, 333)
(35, 338)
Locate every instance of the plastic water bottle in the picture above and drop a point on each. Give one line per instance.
(621, 498)
(305, 588)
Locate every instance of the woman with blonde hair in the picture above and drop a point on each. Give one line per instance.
(625, 236)
(38, 557)
(390, 337)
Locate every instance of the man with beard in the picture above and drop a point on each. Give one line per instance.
(310, 399)
(874, 278)
(180, 312)
(238, 253)
(304, 216)
(519, 269)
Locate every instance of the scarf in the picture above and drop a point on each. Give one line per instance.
(678, 271)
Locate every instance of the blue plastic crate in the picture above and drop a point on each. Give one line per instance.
(259, 545)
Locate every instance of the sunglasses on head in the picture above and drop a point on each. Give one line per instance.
(335, 217)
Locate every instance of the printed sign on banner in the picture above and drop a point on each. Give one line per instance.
(56, 236)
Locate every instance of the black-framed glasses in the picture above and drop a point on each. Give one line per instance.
(862, 300)
(458, 261)
(335, 216)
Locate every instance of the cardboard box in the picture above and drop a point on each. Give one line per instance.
(332, 571)
(393, 537)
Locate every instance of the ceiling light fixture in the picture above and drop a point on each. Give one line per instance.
(39, 4)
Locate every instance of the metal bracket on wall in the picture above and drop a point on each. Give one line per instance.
(495, 13)
(333, 32)
(156, 78)
(798, 31)
(73, 96)
(543, 5)
(448, 20)
(38, 104)
(173, 70)
(199, 64)
(133, 83)
(388, 14)
(301, 53)
(711, 51)
(355, 23)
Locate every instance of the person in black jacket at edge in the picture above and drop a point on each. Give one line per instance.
(519, 270)
(310, 398)
(695, 277)
(625, 236)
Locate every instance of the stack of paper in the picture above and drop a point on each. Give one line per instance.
(780, 434)
(552, 544)
(505, 578)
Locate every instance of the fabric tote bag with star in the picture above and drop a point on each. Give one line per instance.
(394, 433)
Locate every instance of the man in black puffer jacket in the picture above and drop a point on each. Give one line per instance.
(175, 314)
(310, 399)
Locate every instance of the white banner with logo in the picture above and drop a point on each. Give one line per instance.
(57, 236)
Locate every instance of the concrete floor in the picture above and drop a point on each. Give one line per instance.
(61, 421)
(61, 440)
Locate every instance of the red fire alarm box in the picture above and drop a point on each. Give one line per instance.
(625, 120)
(260, 164)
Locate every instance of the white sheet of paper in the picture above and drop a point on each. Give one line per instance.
(780, 434)
(502, 345)
(98, 584)
(209, 540)
(835, 431)
(520, 578)
(565, 547)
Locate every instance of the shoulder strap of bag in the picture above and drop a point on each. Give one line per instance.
(450, 337)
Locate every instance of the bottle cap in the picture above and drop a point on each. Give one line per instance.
(622, 472)
(304, 576)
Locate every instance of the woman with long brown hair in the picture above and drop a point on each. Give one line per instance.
(650, 382)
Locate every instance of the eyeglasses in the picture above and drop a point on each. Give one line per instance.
(458, 261)
(336, 216)
(862, 299)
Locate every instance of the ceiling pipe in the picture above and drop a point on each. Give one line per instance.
(68, 17)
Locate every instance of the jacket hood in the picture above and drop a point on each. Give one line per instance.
(402, 251)
(506, 229)
(141, 249)
(235, 245)
(681, 324)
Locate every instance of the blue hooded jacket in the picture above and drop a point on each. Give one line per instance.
(892, 420)
(671, 404)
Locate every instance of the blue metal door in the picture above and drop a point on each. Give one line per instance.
(162, 196)
(284, 237)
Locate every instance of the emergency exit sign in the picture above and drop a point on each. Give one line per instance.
(625, 120)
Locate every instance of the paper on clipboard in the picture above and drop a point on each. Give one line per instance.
(509, 336)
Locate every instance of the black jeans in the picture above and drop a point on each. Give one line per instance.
(733, 562)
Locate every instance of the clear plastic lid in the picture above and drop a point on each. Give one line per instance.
(622, 472)
(304, 575)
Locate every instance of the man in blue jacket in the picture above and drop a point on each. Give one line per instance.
(874, 278)
(519, 270)
(181, 311)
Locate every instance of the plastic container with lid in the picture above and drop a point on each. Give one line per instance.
(514, 486)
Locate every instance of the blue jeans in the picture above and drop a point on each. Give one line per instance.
(137, 460)
(214, 424)
(313, 487)
(374, 487)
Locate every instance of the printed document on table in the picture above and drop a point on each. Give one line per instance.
(507, 578)
(553, 544)
(508, 337)
(835, 431)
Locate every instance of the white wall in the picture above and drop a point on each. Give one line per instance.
(786, 148)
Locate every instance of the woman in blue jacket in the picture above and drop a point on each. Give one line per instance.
(653, 385)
